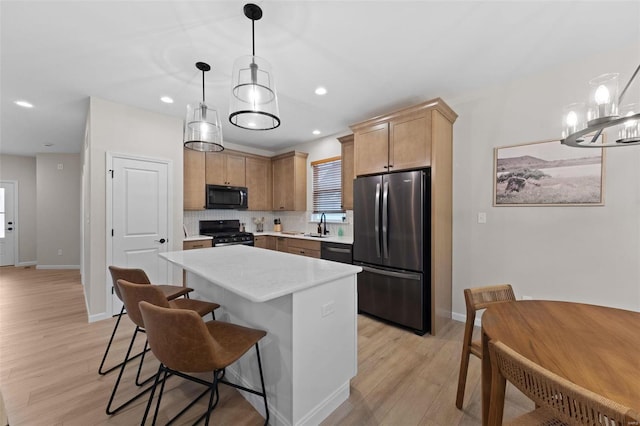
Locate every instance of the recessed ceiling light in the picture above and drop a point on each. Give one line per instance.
(321, 91)
(316, 132)
(166, 100)
(24, 104)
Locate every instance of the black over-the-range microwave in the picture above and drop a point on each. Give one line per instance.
(226, 197)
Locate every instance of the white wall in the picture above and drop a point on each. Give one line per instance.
(123, 129)
(584, 254)
(58, 210)
(23, 170)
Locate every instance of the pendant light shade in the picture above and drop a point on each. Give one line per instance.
(202, 128)
(254, 102)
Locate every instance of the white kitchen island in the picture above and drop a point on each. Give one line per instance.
(308, 308)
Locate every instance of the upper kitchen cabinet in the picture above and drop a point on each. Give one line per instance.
(401, 140)
(258, 182)
(290, 181)
(348, 171)
(194, 180)
(225, 168)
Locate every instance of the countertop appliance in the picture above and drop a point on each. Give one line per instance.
(225, 232)
(392, 243)
(338, 252)
(226, 197)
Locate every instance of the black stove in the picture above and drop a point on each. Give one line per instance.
(225, 232)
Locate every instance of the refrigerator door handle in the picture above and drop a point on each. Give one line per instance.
(405, 275)
(377, 220)
(385, 219)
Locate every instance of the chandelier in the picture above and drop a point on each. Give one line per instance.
(585, 126)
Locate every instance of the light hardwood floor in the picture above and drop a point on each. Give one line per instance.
(49, 357)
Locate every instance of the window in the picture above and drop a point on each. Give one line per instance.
(327, 185)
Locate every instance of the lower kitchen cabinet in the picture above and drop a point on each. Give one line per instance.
(282, 244)
(196, 244)
(304, 247)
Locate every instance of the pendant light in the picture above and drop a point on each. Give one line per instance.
(254, 103)
(202, 129)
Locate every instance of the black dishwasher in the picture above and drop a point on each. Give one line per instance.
(337, 252)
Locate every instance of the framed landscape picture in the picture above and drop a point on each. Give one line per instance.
(548, 173)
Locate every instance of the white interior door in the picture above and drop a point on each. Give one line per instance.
(8, 227)
(140, 218)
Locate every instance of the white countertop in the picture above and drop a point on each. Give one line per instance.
(329, 238)
(259, 274)
(198, 238)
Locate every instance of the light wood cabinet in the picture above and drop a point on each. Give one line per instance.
(194, 180)
(225, 168)
(290, 181)
(282, 244)
(260, 241)
(398, 141)
(348, 171)
(258, 182)
(266, 241)
(196, 244)
(304, 247)
(414, 138)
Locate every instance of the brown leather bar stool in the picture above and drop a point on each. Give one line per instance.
(476, 299)
(132, 294)
(203, 347)
(138, 276)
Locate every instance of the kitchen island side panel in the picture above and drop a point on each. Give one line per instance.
(309, 354)
(273, 316)
(324, 348)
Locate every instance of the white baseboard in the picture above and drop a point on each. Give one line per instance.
(99, 317)
(326, 407)
(313, 417)
(463, 318)
(58, 267)
(30, 263)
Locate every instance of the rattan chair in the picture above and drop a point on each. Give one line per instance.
(476, 299)
(559, 401)
(138, 276)
(204, 347)
(132, 294)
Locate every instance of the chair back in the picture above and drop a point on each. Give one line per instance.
(481, 297)
(180, 339)
(133, 294)
(133, 275)
(569, 402)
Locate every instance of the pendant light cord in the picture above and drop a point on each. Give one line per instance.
(253, 37)
(203, 87)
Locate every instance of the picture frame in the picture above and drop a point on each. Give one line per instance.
(548, 173)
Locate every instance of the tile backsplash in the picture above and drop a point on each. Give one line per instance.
(291, 221)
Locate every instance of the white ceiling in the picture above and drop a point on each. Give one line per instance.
(372, 56)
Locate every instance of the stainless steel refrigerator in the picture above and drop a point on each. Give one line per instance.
(391, 216)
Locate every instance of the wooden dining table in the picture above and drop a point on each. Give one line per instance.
(595, 347)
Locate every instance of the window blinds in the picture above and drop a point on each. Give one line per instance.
(327, 185)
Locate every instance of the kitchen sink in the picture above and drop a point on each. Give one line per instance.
(316, 235)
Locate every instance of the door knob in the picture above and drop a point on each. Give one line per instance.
(161, 241)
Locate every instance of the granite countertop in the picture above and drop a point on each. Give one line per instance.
(328, 238)
(259, 274)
